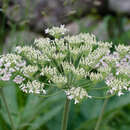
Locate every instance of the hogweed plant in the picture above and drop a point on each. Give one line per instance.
(69, 63)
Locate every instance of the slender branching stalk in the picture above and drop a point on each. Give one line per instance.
(101, 115)
(7, 109)
(65, 115)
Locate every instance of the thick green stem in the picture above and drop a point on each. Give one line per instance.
(65, 115)
(101, 115)
(7, 109)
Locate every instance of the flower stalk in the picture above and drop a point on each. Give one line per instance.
(65, 115)
(101, 115)
(7, 109)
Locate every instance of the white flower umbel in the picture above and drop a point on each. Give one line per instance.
(94, 57)
(18, 79)
(123, 66)
(49, 71)
(123, 50)
(76, 93)
(116, 85)
(96, 76)
(9, 65)
(29, 53)
(65, 61)
(57, 31)
(29, 70)
(33, 87)
(42, 43)
(59, 80)
(69, 67)
(82, 38)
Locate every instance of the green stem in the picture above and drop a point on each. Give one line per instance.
(101, 115)
(7, 109)
(65, 115)
(105, 97)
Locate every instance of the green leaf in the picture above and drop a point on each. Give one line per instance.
(35, 106)
(11, 99)
(45, 117)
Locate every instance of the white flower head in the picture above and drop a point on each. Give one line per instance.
(65, 61)
(57, 31)
(18, 79)
(33, 87)
(77, 93)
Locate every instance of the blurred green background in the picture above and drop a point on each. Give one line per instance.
(21, 21)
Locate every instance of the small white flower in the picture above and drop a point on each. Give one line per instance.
(76, 101)
(77, 94)
(6, 77)
(120, 93)
(117, 73)
(33, 87)
(47, 31)
(1, 63)
(54, 31)
(18, 79)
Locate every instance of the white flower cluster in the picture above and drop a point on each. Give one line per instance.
(123, 50)
(82, 49)
(57, 31)
(45, 45)
(49, 71)
(62, 47)
(116, 85)
(18, 79)
(104, 44)
(65, 61)
(123, 66)
(29, 52)
(76, 93)
(94, 57)
(96, 76)
(12, 67)
(116, 68)
(29, 70)
(58, 56)
(33, 87)
(69, 67)
(53, 75)
(42, 43)
(9, 64)
(82, 38)
(59, 80)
